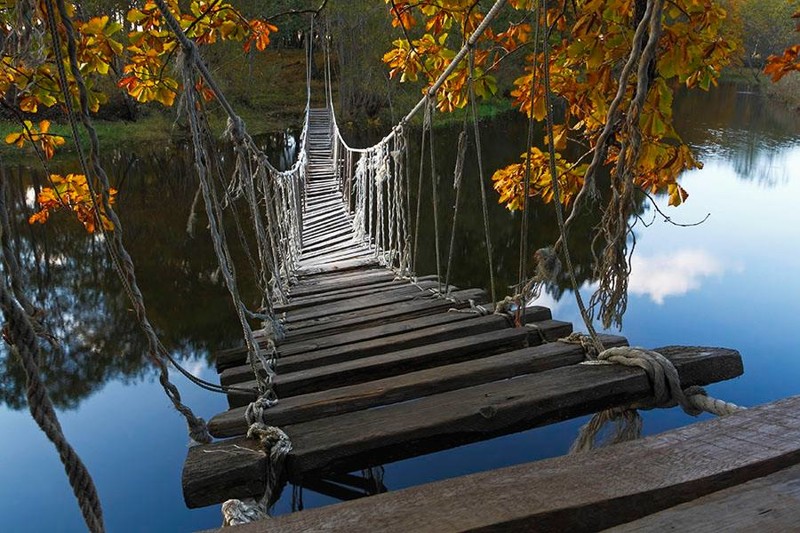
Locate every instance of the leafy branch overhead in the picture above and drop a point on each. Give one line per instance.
(29, 73)
(588, 42)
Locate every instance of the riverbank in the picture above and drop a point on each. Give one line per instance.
(786, 91)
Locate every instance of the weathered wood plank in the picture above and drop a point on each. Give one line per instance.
(412, 385)
(342, 293)
(314, 286)
(338, 267)
(389, 364)
(234, 468)
(306, 359)
(597, 490)
(327, 311)
(770, 503)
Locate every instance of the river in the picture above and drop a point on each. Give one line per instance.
(730, 281)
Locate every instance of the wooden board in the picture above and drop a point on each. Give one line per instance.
(596, 490)
(337, 354)
(409, 386)
(234, 468)
(534, 314)
(770, 503)
(389, 364)
(341, 293)
(381, 315)
(327, 311)
(338, 267)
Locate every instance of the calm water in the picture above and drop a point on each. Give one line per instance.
(728, 282)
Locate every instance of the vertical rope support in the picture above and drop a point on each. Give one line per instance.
(435, 202)
(481, 178)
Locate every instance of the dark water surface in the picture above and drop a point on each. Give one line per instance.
(731, 281)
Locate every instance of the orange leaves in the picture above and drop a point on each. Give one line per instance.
(259, 35)
(72, 192)
(509, 182)
(152, 46)
(47, 141)
(779, 66)
(402, 15)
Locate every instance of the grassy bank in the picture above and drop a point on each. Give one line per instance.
(786, 91)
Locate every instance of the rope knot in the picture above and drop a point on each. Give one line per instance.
(198, 432)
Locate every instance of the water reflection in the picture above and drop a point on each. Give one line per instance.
(70, 277)
(674, 274)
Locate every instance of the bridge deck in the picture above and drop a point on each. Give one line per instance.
(361, 344)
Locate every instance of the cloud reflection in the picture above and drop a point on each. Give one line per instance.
(673, 274)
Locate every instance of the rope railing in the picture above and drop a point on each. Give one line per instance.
(374, 181)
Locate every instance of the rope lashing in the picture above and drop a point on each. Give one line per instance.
(277, 445)
(665, 380)
(627, 426)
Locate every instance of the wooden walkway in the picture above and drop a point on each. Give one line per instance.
(360, 344)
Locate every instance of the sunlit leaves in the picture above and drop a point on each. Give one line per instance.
(779, 66)
(590, 41)
(509, 182)
(47, 142)
(72, 193)
(146, 76)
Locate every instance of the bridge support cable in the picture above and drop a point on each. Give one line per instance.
(375, 180)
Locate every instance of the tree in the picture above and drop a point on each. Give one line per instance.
(36, 55)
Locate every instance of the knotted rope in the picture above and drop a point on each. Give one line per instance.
(277, 445)
(667, 391)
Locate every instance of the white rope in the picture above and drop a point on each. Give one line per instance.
(665, 380)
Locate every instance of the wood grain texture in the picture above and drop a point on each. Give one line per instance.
(315, 358)
(218, 471)
(412, 385)
(390, 364)
(596, 490)
(770, 503)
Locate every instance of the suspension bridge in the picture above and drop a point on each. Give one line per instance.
(363, 361)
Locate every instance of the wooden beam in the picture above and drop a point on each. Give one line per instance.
(390, 364)
(235, 468)
(338, 354)
(770, 503)
(412, 385)
(602, 489)
(382, 315)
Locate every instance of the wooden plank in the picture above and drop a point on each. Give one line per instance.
(314, 286)
(597, 490)
(352, 252)
(336, 354)
(770, 503)
(338, 267)
(345, 292)
(341, 294)
(234, 468)
(377, 315)
(412, 385)
(373, 318)
(374, 367)
(328, 311)
(533, 314)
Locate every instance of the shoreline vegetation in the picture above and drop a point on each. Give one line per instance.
(280, 105)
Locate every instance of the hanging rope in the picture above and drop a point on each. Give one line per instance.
(481, 178)
(113, 240)
(458, 172)
(21, 338)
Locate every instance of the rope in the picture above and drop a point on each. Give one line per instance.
(435, 201)
(21, 337)
(457, 175)
(277, 445)
(481, 177)
(665, 380)
(587, 319)
(113, 240)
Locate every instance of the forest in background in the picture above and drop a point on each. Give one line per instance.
(267, 88)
